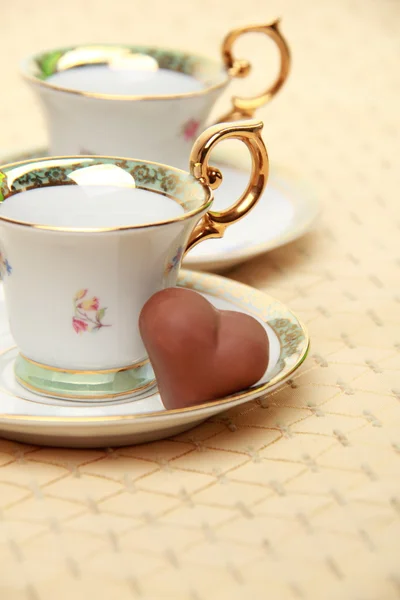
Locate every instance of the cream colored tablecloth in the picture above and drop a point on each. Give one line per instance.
(297, 497)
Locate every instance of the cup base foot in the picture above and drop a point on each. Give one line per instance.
(96, 386)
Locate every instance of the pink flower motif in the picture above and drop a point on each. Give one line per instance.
(190, 129)
(91, 304)
(79, 325)
(88, 316)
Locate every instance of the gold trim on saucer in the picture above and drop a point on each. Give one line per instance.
(172, 411)
(129, 394)
(245, 297)
(87, 372)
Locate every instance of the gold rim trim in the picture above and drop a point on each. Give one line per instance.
(128, 394)
(258, 389)
(90, 372)
(225, 79)
(204, 206)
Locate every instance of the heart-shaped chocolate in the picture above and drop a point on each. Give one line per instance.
(200, 353)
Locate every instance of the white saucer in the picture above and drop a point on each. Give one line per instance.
(286, 211)
(33, 419)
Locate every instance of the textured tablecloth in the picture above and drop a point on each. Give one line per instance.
(297, 497)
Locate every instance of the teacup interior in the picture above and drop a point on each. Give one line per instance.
(90, 206)
(105, 79)
(126, 70)
(93, 192)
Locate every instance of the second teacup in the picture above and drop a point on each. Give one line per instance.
(86, 240)
(139, 100)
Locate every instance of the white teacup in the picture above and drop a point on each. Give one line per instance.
(142, 101)
(85, 241)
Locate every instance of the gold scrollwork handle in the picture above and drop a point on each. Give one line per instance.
(244, 108)
(213, 224)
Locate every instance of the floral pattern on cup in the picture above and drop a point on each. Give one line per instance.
(176, 261)
(5, 267)
(88, 315)
(190, 129)
(3, 185)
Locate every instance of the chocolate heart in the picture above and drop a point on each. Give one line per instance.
(200, 353)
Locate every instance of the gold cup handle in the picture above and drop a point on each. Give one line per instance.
(244, 108)
(213, 224)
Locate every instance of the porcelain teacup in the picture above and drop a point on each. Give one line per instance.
(142, 101)
(86, 240)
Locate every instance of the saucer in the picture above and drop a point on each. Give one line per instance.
(34, 419)
(286, 211)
